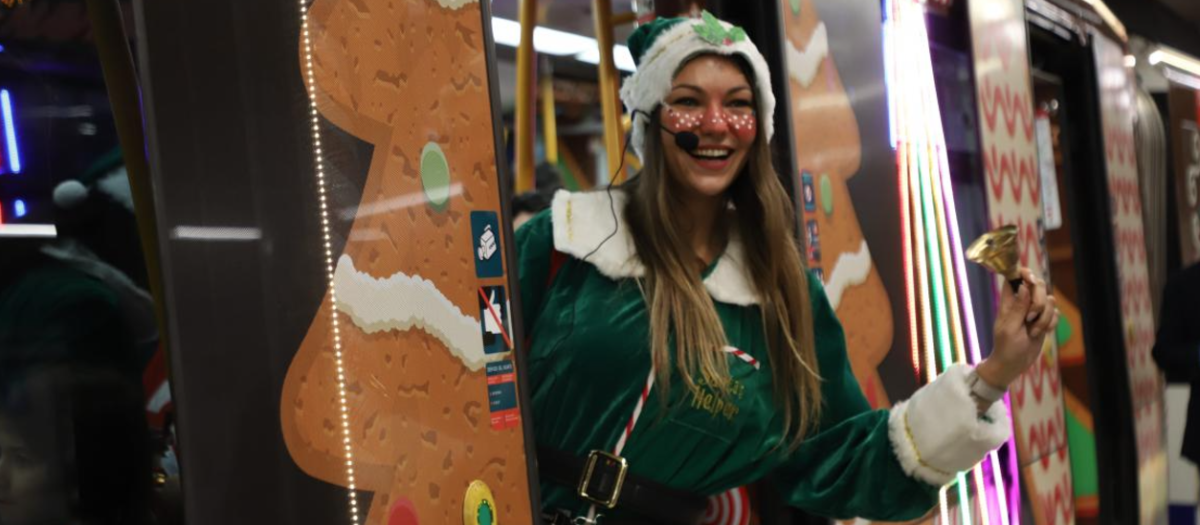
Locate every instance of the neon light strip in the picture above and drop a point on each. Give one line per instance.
(931, 128)
(950, 227)
(907, 241)
(906, 237)
(1014, 471)
(935, 268)
(935, 241)
(964, 498)
(997, 491)
(889, 75)
(944, 504)
(912, 152)
(10, 132)
(955, 324)
(319, 163)
(935, 175)
(944, 290)
(982, 495)
(926, 199)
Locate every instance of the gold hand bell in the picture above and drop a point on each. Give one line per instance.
(997, 251)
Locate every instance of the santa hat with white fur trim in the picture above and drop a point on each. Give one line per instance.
(660, 47)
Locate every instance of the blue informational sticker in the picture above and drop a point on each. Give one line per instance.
(486, 249)
(810, 193)
(814, 240)
(493, 320)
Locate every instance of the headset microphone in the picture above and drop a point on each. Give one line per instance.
(686, 140)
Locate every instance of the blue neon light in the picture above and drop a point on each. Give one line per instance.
(19, 208)
(10, 132)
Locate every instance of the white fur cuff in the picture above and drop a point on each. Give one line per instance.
(938, 432)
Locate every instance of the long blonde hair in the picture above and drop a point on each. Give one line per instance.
(679, 305)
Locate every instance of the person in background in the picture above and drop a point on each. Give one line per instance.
(73, 447)
(547, 181)
(526, 205)
(1177, 347)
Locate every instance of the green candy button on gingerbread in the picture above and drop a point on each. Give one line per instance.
(435, 176)
(826, 194)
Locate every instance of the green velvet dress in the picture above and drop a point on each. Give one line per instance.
(589, 360)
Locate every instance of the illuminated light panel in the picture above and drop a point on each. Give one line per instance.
(319, 163)
(936, 284)
(944, 504)
(19, 208)
(28, 230)
(10, 132)
(548, 41)
(906, 237)
(1174, 58)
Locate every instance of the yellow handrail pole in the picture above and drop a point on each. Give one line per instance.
(621, 19)
(120, 76)
(525, 96)
(602, 13)
(549, 119)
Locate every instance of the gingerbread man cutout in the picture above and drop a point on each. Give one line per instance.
(828, 148)
(411, 78)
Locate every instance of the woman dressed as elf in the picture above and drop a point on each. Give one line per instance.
(679, 347)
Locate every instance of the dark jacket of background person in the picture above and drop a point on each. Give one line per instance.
(1177, 347)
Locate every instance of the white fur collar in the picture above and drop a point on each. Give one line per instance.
(583, 220)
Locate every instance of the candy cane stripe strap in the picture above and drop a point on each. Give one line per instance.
(736, 502)
(641, 403)
(743, 356)
(637, 412)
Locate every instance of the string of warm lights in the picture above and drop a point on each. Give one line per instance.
(941, 317)
(319, 163)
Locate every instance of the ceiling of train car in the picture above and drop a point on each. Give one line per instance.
(572, 16)
(1189, 9)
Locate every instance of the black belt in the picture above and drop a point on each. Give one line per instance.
(603, 479)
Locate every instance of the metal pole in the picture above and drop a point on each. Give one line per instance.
(526, 103)
(120, 78)
(610, 106)
(549, 118)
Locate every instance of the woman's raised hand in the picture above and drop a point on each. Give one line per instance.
(1025, 318)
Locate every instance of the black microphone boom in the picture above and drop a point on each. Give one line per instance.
(686, 140)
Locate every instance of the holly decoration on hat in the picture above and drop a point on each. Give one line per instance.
(713, 32)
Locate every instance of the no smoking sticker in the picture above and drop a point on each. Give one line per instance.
(493, 320)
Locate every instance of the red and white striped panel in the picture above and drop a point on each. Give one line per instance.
(728, 508)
